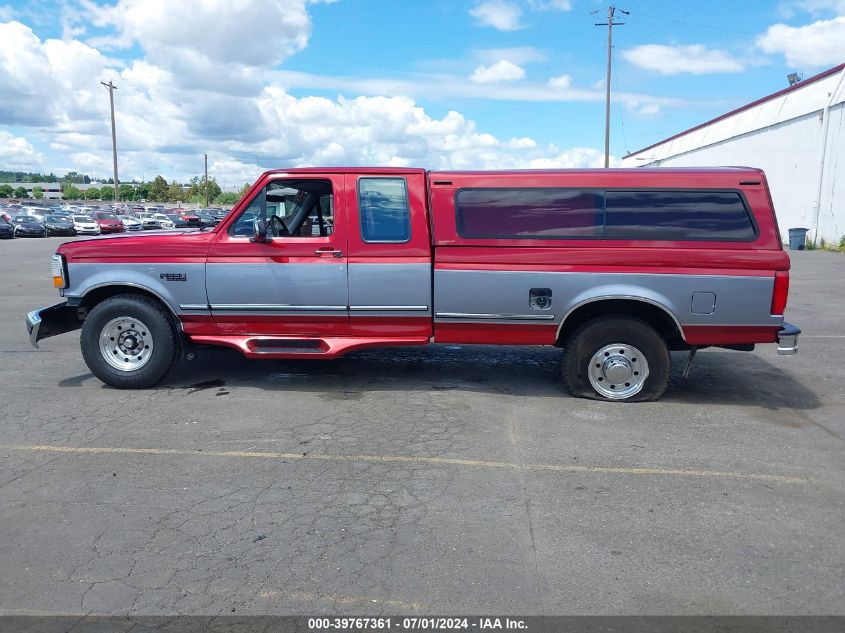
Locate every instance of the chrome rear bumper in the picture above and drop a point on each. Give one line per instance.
(788, 339)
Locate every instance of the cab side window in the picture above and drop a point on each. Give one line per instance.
(384, 211)
(292, 208)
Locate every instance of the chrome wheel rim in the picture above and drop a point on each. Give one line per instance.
(618, 371)
(126, 343)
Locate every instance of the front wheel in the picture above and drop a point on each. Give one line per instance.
(129, 342)
(616, 358)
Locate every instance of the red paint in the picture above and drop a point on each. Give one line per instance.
(727, 334)
(390, 326)
(495, 333)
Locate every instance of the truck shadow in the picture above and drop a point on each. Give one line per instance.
(717, 376)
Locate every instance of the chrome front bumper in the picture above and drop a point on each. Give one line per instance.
(50, 321)
(788, 339)
(33, 324)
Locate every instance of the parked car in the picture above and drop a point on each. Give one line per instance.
(7, 230)
(148, 221)
(130, 223)
(28, 226)
(59, 225)
(108, 222)
(177, 220)
(85, 225)
(163, 220)
(190, 218)
(207, 219)
(37, 212)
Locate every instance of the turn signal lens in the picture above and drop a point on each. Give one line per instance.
(58, 266)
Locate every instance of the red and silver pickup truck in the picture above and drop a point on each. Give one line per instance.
(617, 267)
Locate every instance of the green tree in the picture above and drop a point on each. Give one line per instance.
(71, 193)
(37, 193)
(242, 191)
(227, 198)
(175, 193)
(92, 193)
(72, 178)
(158, 190)
(142, 191)
(6, 191)
(127, 193)
(20, 192)
(196, 192)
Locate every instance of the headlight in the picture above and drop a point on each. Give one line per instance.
(59, 272)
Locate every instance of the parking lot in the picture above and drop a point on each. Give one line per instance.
(448, 479)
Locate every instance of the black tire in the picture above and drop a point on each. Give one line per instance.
(165, 352)
(588, 339)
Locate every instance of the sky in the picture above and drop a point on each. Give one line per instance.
(440, 84)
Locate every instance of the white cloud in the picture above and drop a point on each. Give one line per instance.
(502, 15)
(561, 82)
(815, 7)
(221, 31)
(18, 153)
(550, 5)
(694, 59)
(500, 71)
(518, 55)
(813, 45)
(175, 103)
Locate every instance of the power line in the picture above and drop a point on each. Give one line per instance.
(611, 13)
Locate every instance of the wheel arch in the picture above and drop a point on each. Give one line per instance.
(647, 309)
(100, 292)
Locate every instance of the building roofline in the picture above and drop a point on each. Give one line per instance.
(774, 95)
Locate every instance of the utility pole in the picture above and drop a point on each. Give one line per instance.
(111, 87)
(205, 160)
(611, 13)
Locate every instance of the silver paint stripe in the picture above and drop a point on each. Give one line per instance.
(262, 307)
(502, 317)
(406, 308)
(193, 306)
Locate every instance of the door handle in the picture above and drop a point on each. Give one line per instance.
(328, 251)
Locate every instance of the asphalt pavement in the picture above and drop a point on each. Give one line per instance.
(446, 479)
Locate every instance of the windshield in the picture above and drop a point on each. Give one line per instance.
(106, 216)
(82, 218)
(25, 219)
(54, 220)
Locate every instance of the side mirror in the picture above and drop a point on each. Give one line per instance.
(259, 230)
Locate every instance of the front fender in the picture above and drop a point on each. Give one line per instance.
(176, 284)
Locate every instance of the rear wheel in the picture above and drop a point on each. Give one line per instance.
(129, 342)
(616, 358)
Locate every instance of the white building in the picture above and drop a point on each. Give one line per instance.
(51, 190)
(797, 136)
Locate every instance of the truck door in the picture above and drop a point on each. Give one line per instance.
(295, 282)
(389, 254)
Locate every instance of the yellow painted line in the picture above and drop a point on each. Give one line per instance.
(451, 461)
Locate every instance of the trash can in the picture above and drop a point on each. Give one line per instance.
(797, 239)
